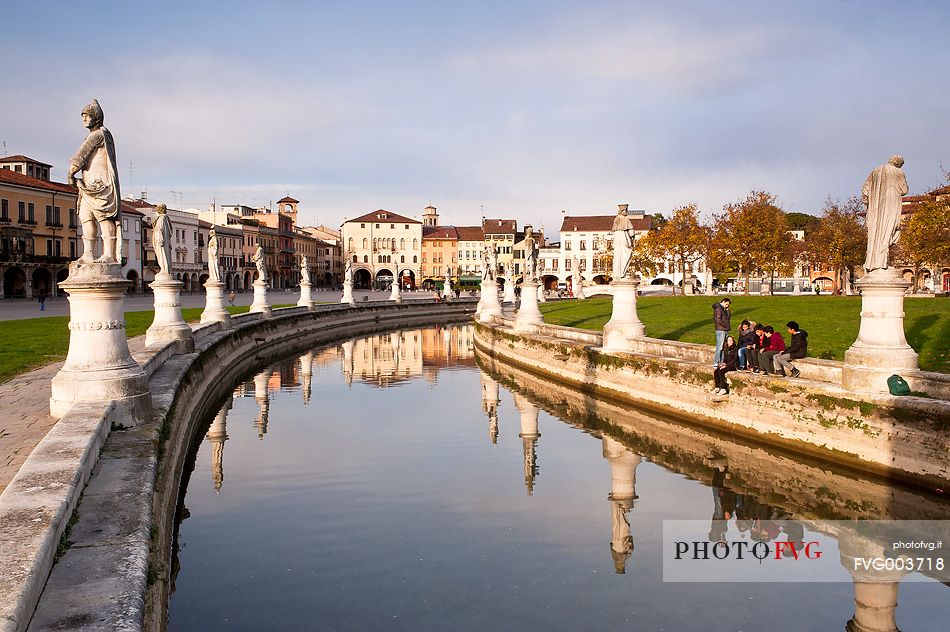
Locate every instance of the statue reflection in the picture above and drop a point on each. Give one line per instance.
(875, 592)
(217, 435)
(396, 342)
(529, 436)
(262, 396)
(490, 402)
(347, 347)
(623, 494)
(306, 375)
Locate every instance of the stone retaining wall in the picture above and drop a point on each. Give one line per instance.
(115, 550)
(900, 437)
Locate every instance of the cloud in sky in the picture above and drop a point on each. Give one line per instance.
(523, 109)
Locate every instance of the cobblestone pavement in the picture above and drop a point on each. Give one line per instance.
(24, 414)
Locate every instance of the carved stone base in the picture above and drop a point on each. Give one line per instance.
(624, 324)
(306, 298)
(881, 349)
(99, 367)
(508, 295)
(395, 295)
(168, 325)
(260, 304)
(528, 313)
(490, 306)
(215, 311)
(348, 294)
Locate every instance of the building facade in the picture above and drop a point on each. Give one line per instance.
(38, 228)
(381, 246)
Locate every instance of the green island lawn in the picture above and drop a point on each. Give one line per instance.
(32, 342)
(831, 321)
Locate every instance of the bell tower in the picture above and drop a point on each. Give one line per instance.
(430, 217)
(288, 206)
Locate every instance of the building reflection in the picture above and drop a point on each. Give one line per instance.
(623, 494)
(217, 435)
(490, 403)
(529, 438)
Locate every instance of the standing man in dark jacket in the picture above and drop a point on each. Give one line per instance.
(797, 349)
(721, 321)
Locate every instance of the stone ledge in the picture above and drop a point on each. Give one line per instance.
(903, 437)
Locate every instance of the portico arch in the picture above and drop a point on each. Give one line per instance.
(14, 282)
(362, 279)
(42, 282)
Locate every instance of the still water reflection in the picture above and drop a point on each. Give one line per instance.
(362, 493)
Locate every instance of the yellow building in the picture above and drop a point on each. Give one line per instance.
(38, 228)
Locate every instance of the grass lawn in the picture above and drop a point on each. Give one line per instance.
(831, 321)
(32, 342)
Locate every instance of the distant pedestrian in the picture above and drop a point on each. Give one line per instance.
(42, 301)
(721, 321)
(231, 297)
(817, 289)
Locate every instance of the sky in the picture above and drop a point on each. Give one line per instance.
(502, 109)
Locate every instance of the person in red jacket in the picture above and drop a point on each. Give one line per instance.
(773, 344)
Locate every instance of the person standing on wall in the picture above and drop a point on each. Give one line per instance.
(721, 321)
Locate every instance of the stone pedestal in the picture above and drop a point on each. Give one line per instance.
(765, 287)
(217, 435)
(528, 313)
(395, 294)
(509, 292)
(797, 289)
(347, 298)
(306, 375)
(215, 311)
(577, 288)
(624, 324)
(98, 364)
(489, 301)
(306, 298)
(541, 297)
(168, 325)
(260, 303)
(529, 438)
(881, 349)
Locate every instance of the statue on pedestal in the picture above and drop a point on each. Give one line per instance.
(623, 244)
(882, 192)
(530, 253)
(490, 261)
(214, 268)
(305, 270)
(348, 271)
(98, 188)
(259, 261)
(162, 241)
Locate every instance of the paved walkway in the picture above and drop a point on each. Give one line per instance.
(24, 414)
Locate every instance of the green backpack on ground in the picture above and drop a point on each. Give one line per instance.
(897, 385)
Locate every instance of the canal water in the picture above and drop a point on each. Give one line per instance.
(390, 483)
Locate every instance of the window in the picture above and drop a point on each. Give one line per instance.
(414, 257)
(583, 244)
(4, 209)
(49, 247)
(31, 217)
(362, 225)
(407, 226)
(365, 259)
(49, 215)
(415, 244)
(402, 243)
(377, 225)
(567, 264)
(365, 243)
(21, 212)
(567, 245)
(57, 218)
(392, 226)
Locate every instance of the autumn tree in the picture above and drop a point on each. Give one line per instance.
(753, 234)
(925, 236)
(681, 238)
(838, 240)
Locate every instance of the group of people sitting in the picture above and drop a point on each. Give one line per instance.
(761, 349)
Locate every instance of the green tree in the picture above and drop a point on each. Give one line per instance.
(838, 240)
(752, 233)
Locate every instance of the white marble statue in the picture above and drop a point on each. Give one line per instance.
(258, 260)
(448, 281)
(98, 188)
(305, 270)
(490, 261)
(577, 271)
(214, 267)
(348, 271)
(530, 253)
(623, 244)
(162, 241)
(882, 192)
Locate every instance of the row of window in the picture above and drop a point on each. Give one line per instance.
(382, 259)
(26, 213)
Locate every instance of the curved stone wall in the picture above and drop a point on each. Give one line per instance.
(113, 550)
